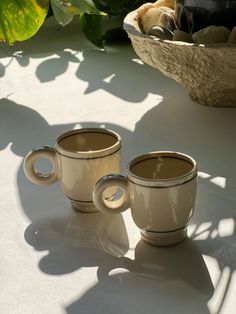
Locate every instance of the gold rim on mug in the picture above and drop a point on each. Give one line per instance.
(162, 182)
(89, 154)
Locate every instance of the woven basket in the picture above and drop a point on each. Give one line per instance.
(208, 72)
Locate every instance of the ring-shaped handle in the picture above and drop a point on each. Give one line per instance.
(107, 206)
(35, 176)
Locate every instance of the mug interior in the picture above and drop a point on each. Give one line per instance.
(87, 141)
(161, 167)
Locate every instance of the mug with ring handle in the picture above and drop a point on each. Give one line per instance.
(160, 189)
(79, 159)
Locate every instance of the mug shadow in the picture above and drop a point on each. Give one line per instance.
(142, 284)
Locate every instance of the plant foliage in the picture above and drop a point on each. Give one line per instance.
(21, 19)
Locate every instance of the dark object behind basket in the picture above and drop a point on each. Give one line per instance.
(193, 15)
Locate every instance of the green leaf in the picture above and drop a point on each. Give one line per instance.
(64, 10)
(85, 6)
(21, 19)
(60, 13)
(92, 28)
(76, 7)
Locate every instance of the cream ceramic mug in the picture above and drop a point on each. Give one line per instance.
(160, 189)
(79, 159)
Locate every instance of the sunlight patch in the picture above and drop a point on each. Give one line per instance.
(214, 234)
(204, 227)
(203, 175)
(109, 78)
(226, 227)
(220, 181)
(217, 300)
(118, 271)
(138, 61)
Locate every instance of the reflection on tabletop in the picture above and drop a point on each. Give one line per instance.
(83, 237)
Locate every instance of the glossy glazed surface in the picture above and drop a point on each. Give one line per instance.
(160, 189)
(162, 209)
(78, 176)
(80, 158)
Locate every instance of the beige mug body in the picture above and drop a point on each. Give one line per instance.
(80, 158)
(160, 189)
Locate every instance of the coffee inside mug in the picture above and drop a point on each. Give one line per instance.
(161, 167)
(87, 141)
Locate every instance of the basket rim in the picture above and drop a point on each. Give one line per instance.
(131, 26)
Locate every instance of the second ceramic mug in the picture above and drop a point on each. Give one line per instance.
(160, 189)
(79, 159)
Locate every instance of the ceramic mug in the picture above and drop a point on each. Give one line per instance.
(160, 189)
(80, 157)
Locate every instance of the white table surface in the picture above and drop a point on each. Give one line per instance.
(54, 260)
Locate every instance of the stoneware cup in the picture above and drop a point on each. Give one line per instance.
(160, 189)
(80, 157)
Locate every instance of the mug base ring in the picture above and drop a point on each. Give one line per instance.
(85, 207)
(164, 238)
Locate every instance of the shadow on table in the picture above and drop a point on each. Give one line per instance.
(117, 71)
(59, 45)
(208, 134)
(120, 72)
(158, 280)
(56, 64)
